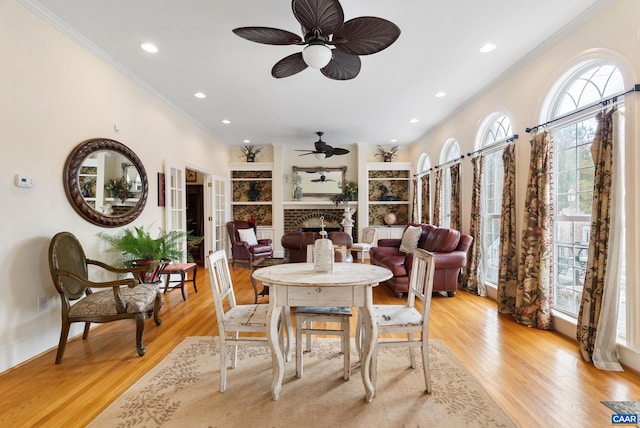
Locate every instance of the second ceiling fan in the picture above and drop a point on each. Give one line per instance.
(323, 26)
(322, 149)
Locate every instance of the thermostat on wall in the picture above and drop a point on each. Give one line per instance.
(22, 181)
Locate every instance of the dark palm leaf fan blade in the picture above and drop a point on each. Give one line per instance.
(324, 15)
(342, 66)
(288, 66)
(340, 151)
(366, 35)
(268, 35)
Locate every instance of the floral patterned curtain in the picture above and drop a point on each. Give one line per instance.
(426, 199)
(473, 283)
(414, 209)
(456, 215)
(601, 285)
(437, 201)
(508, 273)
(532, 291)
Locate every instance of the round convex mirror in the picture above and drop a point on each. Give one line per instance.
(105, 182)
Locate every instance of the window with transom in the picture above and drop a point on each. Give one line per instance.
(572, 131)
(496, 130)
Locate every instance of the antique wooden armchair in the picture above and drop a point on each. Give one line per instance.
(121, 299)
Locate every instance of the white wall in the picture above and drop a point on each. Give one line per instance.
(55, 94)
(612, 34)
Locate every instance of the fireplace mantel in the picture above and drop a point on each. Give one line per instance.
(295, 205)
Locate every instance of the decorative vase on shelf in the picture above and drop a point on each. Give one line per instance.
(298, 193)
(390, 219)
(254, 192)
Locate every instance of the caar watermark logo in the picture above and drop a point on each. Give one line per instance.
(624, 419)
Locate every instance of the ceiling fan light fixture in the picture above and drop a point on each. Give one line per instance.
(320, 156)
(316, 55)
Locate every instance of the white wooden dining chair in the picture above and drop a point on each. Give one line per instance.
(237, 319)
(307, 315)
(393, 319)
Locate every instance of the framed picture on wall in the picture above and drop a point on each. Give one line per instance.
(192, 176)
(161, 201)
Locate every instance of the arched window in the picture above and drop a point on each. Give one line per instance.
(424, 163)
(424, 204)
(496, 129)
(572, 133)
(451, 152)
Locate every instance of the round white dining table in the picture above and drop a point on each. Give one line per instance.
(297, 284)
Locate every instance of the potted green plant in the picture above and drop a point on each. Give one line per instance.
(250, 152)
(136, 246)
(387, 155)
(349, 192)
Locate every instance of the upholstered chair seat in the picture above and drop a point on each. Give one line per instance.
(102, 303)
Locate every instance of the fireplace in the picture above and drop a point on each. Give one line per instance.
(302, 220)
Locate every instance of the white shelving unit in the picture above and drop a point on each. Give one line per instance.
(243, 176)
(388, 191)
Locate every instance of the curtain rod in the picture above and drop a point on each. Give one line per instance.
(442, 165)
(614, 98)
(496, 146)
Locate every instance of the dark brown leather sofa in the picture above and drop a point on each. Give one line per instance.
(295, 244)
(449, 246)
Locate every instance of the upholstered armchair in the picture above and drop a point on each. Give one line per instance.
(117, 299)
(245, 246)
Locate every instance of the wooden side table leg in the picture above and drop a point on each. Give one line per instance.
(183, 274)
(195, 274)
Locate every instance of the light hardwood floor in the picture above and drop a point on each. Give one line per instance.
(537, 377)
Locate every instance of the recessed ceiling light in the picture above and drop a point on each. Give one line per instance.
(200, 95)
(246, 141)
(441, 94)
(414, 120)
(395, 140)
(487, 47)
(226, 121)
(149, 47)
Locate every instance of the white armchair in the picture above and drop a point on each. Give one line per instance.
(369, 237)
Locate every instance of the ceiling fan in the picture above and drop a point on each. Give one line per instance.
(323, 26)
(322, 149)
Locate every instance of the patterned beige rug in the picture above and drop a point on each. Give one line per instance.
(183, 391)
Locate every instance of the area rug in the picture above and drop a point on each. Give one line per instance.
(184, 391)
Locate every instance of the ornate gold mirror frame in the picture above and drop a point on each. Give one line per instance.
(320, 181)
